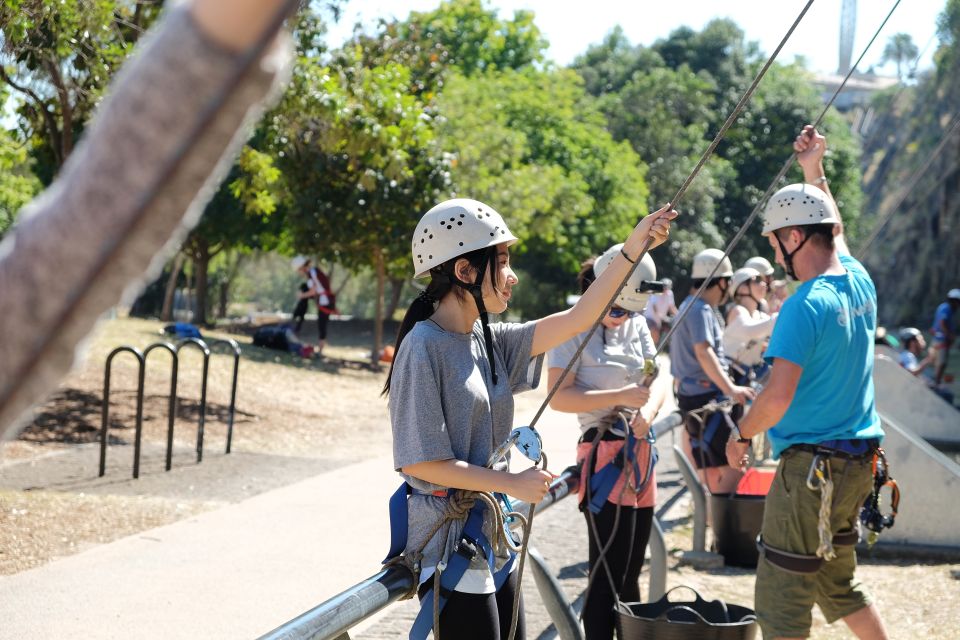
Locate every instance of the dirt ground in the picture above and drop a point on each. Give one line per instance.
(296, 418)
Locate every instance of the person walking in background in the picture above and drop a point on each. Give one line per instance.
(700, 370)
(661, 308)
(818, 408)
(944, 331)
(451, 388)
(317, 289)
(605, 389)
(914, 345)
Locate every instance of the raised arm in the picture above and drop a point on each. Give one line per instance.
(558, 328)
(810, 147)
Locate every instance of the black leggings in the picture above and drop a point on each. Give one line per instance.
(479, 616)
(625, 561)
(322, 320)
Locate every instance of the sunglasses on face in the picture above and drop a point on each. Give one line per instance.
(619, 312)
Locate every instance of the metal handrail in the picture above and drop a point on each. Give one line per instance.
(332, 619)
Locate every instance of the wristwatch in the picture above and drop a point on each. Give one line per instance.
(735, 433)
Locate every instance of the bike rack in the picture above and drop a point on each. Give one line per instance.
(174, 351)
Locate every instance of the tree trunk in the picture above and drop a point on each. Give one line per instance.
(166, 313)
(201, 261)
(378, 314)
(396, 289)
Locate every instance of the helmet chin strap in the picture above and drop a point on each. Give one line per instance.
(788, 256)
(476, 290)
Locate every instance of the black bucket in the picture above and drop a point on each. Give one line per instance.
(736, 524)
(678, 620)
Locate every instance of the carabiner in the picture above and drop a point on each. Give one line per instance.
(816, 469)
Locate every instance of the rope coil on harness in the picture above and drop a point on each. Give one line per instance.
(820, 469)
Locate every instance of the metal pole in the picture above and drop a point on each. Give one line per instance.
(233, 387)
(172, 402)
(105, 410)
(562, 615)
(200, 344)
(138, 434)
(658, 562)
(335, 616)
(699, 499)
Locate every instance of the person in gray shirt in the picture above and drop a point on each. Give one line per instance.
(606, 389)
(451, 389)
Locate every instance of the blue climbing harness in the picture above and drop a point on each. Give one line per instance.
(472, 541)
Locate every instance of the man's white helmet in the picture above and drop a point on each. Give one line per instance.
(761, 264)
(298, 261)
(953, 294)
(634, 295)
(705, 262)
(453, 228)
(741, 275)
(798, 204)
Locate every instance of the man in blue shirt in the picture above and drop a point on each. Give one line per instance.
(818, 409)
(944, 331)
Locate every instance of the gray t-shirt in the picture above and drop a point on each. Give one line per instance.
(612, 359)
(443, 406)
(701, 324)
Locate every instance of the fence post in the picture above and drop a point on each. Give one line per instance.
(699, 499)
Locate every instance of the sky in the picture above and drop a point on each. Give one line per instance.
(571, 27)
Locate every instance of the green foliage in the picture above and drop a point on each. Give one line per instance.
(18, 185)
(58, 57)
(466, 35)
(534, 145)
(669, 100)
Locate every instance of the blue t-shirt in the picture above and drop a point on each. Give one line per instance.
(943, 314)
(701, 324)
(827, 327)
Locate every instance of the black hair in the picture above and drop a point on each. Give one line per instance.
(587, 274)
(443, 279)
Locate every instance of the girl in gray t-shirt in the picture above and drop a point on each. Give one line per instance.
(451, 390)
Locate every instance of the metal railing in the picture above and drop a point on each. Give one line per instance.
(174, 350)
(331, 620)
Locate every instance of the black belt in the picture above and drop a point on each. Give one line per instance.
(835, 453)
(591, 434)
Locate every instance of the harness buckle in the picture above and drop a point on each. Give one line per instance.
(467, 548)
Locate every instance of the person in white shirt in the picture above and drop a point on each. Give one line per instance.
(660, 308)
(748, 327)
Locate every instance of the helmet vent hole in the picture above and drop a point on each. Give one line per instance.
(461, 244)
(450, 226)
(459, 223)
(463, 215)
(431, 236)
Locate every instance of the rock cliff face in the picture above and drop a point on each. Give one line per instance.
(915, 258)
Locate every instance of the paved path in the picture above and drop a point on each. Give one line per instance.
(242, 570)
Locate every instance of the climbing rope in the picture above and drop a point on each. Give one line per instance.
(769, 192)
(820, 470)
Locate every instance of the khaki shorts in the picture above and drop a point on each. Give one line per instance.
(942, 356)
(784, 600)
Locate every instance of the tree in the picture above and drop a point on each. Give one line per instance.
(18, 184)
(534, 145)
(58, 58)
(357, 154)
(900, 49)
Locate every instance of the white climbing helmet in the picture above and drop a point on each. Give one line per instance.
(953, 294)
(453, 228)
(761, 264)
(741, 275)
(298, 262)
(708, 259)
(634, 295)
(798, 204)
